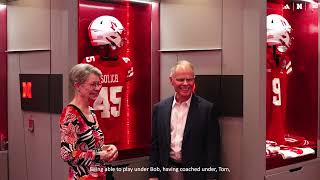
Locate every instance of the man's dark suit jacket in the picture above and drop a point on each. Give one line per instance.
(201, 139)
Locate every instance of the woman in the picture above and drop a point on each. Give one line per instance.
(81, 138)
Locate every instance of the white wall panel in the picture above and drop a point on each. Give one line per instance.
(232, 64)
(254, 117)
(232, 37)
(28, 24)
(36, 62)
(63, 56)
(231, 131)
(190, 24)
(205, 62)
(17, 155)
(38, 146)
(64, 40)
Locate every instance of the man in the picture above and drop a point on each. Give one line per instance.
(185, 132)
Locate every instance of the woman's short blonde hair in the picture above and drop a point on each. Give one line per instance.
(80, 72)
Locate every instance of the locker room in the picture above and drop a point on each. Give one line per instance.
(240, 55)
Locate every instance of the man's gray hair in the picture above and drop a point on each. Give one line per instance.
(178, 64)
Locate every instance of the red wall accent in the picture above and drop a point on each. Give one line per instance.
(136, 19)
(3, 72)
(302, 93)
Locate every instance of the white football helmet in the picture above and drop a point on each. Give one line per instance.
(106, 30)
(278, 32)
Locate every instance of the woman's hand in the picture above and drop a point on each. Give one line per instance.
(109, 153)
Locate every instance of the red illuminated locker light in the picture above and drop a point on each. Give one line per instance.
(26, 90)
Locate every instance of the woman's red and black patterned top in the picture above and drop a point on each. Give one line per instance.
(80, 140)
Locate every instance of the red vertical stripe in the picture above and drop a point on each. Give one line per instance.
(3, 73)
